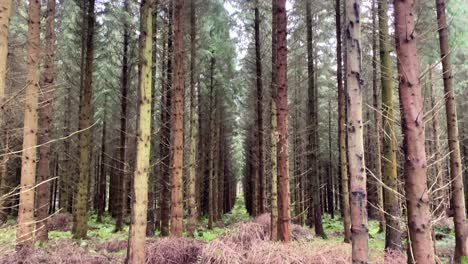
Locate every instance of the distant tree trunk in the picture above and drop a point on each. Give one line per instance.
(177, 124)
(342, 129)
(274, 127)
(377, 164)
(211, 145)
(440, 196)
(355, 123)
(137, 236)
(282, 119)
(64, 182)
(411, 104)
(42, 203)
(122, 168)
(5, 13)
(389, 166)
(25, 226)
(330, 179)
(458, 199)
(101, 201)
(166, 138)
(313, 175)
(192, 202)
(80, 208)
(259, 108)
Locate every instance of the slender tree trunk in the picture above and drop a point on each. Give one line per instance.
(389, 166)
(274, 127)
(166, 138)
(259, 109)
(137, 237)
(274, 165)
(282, 119)
(153, 204)
(192, 203)
(5, 13)
(313, 172)
(377, 164)
(440, 196)
(25, 227)
(177, 124)
(411, 104)
(80, 208)
(342, 129)
(211, 146)
(42, 203)
(122, 168)
(101, 184)
(330, 178)
(355, 122)
(458, 199)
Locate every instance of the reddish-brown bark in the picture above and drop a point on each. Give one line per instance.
(282, 117)
(411, 104)
(458, 199)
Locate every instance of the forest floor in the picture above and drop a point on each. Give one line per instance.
(236, 239)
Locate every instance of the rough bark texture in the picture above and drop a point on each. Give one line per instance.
(45, 116)
(259, 108)
(411, 104)
(177, 125)
(282, 120)
(192, 203)
(355, 122)
(274, 129)
(342, 129)
(458, 199)
(390, 174)
(137, 236)
(80, 208)
(25, 228)
(5, 13)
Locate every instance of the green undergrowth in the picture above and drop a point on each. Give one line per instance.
(236, 215)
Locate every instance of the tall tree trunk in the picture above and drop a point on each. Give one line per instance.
(355, 123)
(458, 199)
(313, 172)
(377, 164)
(177, 124)
(25, 227)
(259, 109)
(342, 129)
(274, 128)
(137, 237)
(122, 168)
(5, 13)
(411, 105)
(42, 203)
(80, 208)
(101, 184)
(153, 204)
(282, 120)
(192, 203)
(211, 145)
(166, 138)
(389, 166)
(330, 179)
